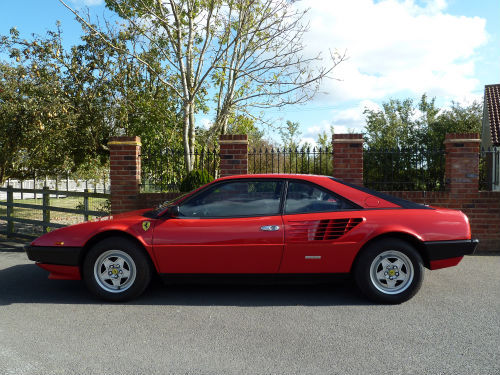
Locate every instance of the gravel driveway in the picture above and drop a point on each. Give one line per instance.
(452, 326)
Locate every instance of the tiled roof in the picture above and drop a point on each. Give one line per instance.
(492, 100)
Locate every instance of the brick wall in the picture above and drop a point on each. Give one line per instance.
(233, 154)
(482, 208)
(461, 193)
(146, 200)
(348, 157)
(125, 172)
(462, 163)
(461, 173)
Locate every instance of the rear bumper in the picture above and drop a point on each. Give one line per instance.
(66, 256)
(439, 250)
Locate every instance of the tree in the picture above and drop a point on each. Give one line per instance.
(395, 126)
(290, 135)
(63, 105)
(34, 111)
(249, 53)
(456, 119)
(405, 141)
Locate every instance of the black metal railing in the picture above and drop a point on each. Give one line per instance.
(164, 171)
(287, 160)
(489, 166)
(404, 169)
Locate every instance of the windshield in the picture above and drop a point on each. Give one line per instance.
(163, 206)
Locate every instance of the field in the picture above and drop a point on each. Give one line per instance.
(65, 218)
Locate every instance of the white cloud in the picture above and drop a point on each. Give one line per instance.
(395, 47)
(206, 122)
(312, 131)
(308, 142)
(346, 120)
(88, 3)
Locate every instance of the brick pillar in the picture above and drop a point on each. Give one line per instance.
(348, 157)
(462, 162)
(233, 154)
(125, 172)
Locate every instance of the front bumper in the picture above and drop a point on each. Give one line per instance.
(439, 250)
(60, 255)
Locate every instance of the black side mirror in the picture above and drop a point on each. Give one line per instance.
(173, 211)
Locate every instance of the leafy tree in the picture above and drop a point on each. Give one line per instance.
(248, 52)
(404, 142)
(290, 135)
(34, 111)
(63, 105)
(456, 119)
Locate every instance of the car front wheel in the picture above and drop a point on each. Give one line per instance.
(116, 269)
(389, 271)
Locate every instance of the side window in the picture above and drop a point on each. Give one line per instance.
(302, 197)
(236, 199)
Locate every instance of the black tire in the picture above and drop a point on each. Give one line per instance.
(389, 271)
(116, 270)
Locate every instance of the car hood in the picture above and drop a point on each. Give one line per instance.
(78, 235)
(123, 215)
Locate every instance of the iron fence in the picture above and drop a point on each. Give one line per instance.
(489, 168)
(164, 171)
(404, 169)
(287, 160)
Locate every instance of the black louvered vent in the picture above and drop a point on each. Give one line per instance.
(333, 229)
(321, 230)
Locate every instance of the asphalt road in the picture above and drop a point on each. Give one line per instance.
(55, 327)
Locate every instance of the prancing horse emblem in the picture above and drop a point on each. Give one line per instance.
(146, 225)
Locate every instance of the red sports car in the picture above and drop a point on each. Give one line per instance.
(266, 226)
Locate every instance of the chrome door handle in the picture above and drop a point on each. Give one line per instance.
(270, 228)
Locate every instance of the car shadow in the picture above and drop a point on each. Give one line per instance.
(29, 284)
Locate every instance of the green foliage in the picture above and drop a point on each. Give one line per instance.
(59, 107)
(403, 124)
(290, 135)
(195, 179)
(404, 142)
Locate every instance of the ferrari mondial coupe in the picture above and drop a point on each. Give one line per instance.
(272, 226)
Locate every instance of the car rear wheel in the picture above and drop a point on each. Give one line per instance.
(389, 271)
(116, 269)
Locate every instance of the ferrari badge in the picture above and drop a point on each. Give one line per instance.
(146, 225)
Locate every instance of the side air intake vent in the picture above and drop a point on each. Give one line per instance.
(321, 230)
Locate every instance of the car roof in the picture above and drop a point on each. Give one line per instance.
(355, 193)
(274, 175)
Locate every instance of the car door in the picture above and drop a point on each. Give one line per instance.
(233, 226)
(316, 223)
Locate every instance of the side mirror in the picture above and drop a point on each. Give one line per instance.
(173, 211)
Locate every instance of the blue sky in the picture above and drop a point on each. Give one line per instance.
(397, 48)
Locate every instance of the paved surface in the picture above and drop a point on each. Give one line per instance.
(12, 244)
(56, 327)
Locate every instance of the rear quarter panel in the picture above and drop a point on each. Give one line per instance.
(337, 256)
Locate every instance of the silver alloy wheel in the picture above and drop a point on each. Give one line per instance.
(115, 271)
(391, 272)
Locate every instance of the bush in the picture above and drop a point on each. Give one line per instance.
(195, 179)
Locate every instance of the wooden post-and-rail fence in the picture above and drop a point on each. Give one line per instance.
(46, 208)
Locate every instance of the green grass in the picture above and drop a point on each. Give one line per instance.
(95, 204)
